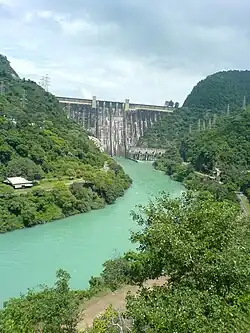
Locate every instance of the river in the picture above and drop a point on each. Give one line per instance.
(78, 244)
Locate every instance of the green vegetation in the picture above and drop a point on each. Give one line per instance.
(49, 310)
(204, 257)
(175, 125)
(217, 159)
(38, 142)
(208, 145)
(220, 89)
(199, 243)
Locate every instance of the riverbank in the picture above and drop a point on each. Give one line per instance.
(58, 199)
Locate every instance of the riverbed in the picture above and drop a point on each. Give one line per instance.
(79, 244)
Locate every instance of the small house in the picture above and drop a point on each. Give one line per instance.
(18, 182)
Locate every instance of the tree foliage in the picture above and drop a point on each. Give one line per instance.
(38, 142)
(220, 89)
(201, 245)
(51, 310)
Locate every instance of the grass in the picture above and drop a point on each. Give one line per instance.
(48, 184)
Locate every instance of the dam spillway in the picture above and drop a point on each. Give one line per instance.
(118, 125)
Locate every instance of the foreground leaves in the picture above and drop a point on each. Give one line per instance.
(51, 310)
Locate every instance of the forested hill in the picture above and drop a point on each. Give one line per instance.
(220, 89)
(204, 136)
(38, 142)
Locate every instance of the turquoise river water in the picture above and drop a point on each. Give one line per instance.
(78, 244)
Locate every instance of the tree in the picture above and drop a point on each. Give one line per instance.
(24, 167)
(201, 245)
(116, 273)
(39, 141)
(5, 154)
(51, 310)
(111, 321)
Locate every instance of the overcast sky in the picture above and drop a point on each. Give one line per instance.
(146, 50)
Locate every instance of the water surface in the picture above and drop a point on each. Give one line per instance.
(78, 244)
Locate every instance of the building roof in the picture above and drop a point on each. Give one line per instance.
(18, 180)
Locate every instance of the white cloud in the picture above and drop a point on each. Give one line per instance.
(125, 49)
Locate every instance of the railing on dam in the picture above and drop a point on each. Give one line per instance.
(101, 103)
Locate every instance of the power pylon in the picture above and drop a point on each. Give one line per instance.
(45, 82)
(209, 123)
(204, 125)
(23, 98)
(199, 125)
(2, 88)
(214, 119)
(244, 104)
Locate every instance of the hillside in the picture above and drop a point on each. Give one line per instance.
(203, 136)
(219, 90)
(38, 142)
(207, 100)
(173, 127)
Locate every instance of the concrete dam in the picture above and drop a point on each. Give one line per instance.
(118, 125)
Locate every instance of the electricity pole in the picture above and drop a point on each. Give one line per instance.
(204, 125)
(45, 82)
(209, 123)
(244, 103)
(199, 125)
(214, 119)
(2, 90)
(23, 99)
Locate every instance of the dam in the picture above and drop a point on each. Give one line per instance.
(117, 125)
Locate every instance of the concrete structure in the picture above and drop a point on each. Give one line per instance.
(18, 182)
(144, 154)
(118, 125)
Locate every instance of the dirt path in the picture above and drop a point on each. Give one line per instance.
(97, 305)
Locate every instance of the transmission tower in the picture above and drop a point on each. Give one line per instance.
(199, 125)
(214, 119)
(244, 103)
(24, 98)
(45, 82)
(228, 109)
(204, 125)
(2, 88)
(209, 123)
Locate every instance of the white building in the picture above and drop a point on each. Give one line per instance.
(18, 182)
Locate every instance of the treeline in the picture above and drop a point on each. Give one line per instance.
(41, 205)
(207, 141)
(200, 247)
(39, 143)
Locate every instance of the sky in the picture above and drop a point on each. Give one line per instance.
(147, 51)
